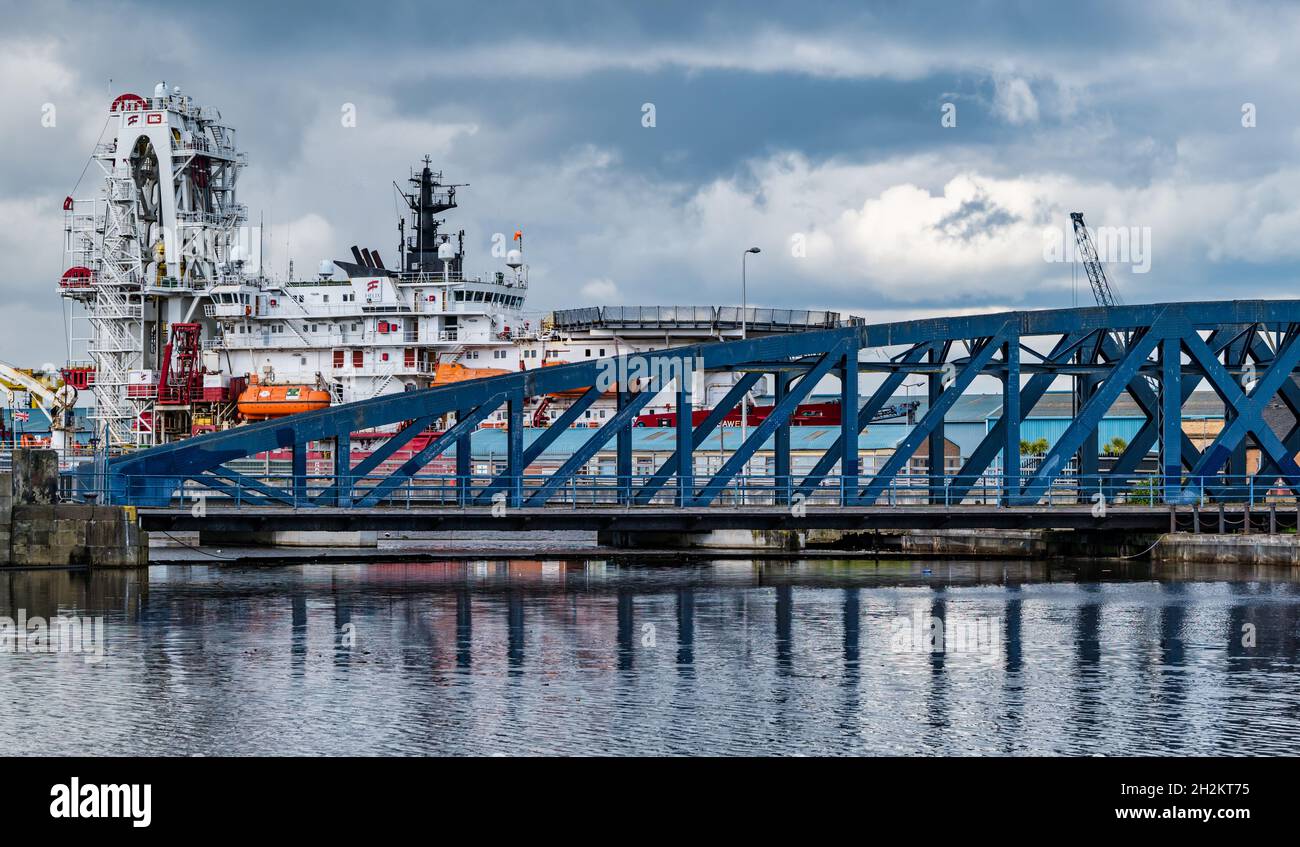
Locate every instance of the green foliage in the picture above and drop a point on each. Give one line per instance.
(1114, 447)
(1145, 493)
(1037, 447)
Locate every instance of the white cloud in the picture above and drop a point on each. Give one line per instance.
(1014, 101)
(601, 291)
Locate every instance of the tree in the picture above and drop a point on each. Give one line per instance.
(1037, 447)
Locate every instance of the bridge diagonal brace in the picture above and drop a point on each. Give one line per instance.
(1149, 403)
(341, 490)
(1248, 409)
(242, 489)
(648, 489)
(879, 398)
(933, 416)
(1089, 417)
(464, 425)
(543, 440)
(623, 417)
(992, 443)
(1290, 394)
(781, 412)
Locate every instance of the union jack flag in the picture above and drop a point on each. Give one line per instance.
(22, 416)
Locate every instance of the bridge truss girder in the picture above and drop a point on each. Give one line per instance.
(1103, 352)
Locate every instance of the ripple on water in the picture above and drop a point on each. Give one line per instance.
(531, 658)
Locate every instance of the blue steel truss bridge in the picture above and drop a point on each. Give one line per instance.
(1157, 355)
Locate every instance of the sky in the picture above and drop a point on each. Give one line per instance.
(891, 160)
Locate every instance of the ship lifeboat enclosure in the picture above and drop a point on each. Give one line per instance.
(574, 393)
(259, 402)
(448, 372)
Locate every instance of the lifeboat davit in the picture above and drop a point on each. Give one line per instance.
(260, 402)
(448, 372)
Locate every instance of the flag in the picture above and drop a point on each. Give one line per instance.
(22, 416)
(519, 235)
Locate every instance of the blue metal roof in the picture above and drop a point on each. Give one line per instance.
(492, 442)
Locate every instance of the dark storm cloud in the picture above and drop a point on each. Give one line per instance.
(774, 122)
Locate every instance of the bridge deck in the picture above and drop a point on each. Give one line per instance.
(671, 519)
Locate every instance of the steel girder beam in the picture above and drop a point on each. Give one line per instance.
(781, 441)
(1248, 409)
(543, 440)
(933, 416)
(782, 411)
(996, 440)
(652, 485)
(879, 398)
(849, 465)
(621, 419)
(436, 447)
(1289, 393)
(341, 491)
(1089, 417)
(1149, 403)
(153, 476)
(1171, 417)
(685, 455)
(935, 440)
(1010, 418)
(243, 489)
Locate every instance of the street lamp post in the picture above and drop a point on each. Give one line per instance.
(744, 305)
(744, 334)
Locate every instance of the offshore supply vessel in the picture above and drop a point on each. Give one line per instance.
(183, 331)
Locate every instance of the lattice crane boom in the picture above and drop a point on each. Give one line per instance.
(1101, 289)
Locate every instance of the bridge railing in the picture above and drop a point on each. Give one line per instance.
(448, 490)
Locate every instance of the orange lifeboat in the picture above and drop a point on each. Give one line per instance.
(574, 393)
(448, 372)
(259, 402)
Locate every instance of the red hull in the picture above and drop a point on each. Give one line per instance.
(808, 414)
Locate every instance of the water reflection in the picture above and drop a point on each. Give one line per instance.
(540, 657)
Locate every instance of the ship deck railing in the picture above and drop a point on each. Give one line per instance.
(699, 317)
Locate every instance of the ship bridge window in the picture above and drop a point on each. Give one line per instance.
(478, 296)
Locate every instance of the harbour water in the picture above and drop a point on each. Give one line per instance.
(532, 657)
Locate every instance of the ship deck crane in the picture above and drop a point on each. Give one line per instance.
(1101, 289)
(55, 403)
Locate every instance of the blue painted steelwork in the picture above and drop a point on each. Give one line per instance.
(1157, 354)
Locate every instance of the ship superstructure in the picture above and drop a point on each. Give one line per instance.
(186, 332)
